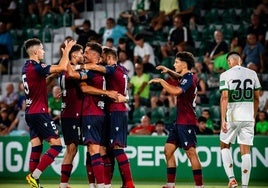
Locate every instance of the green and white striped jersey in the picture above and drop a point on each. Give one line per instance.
(241, 83)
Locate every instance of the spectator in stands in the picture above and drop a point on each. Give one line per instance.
(4, 121)
(19, 127)
(38, 8)
(139, 13)
(8, 11)
(115, 31)
(262, 123)
(73, 6)
(21, 94)
(216, 48)
(202, 128)
(209, 122)
(201, 94)
(85, 33)
(263, 104)
(160, 129)
(54, 105)
(110, 44)
(10, 99)
(189, 12)
(262, 8)
(167, 10)
(220, 62)
(125, 61)
(179, 39)
(257, 28)
(143, 53)
(140, 87)
(144, 128)
(124, 45)
(212, 77)
(6, 48)
(253, 54)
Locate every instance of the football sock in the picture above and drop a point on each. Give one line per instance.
(49, 157)
(198, 179)
(98, 168)
(107, 169)
(90, 174)
(66, 170)
(227, 161)
(171, 174)
(245, 169)
(35, 157)
(124, 167)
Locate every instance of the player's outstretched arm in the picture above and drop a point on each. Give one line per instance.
(85, 88)
(94, 67)
(173, 90)
(164, 69)
(62, 66)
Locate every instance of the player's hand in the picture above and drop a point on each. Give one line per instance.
(121, 98)
(162, 68)
(68, 45)
(112, 94)
(155, 80)
(224, 126)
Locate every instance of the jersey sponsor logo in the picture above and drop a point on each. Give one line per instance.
(28, 102)
(43, 65)
(101, 104)
(222, 83)
(183, 82)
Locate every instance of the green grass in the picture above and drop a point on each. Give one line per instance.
(116, 184)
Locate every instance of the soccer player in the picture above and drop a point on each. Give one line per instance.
(183, 134)
(93, 109)
(116, 79)
(42, 127)
(72, 100)
(239, 102)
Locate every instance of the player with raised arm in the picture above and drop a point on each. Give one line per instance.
(72, 101)
(183, 134)
(94, 87)
(239, 102)
(116, 79)
(42, 127)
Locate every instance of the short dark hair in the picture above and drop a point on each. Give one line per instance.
(110, 51)
(160, 122)
(76, 47)
(139, 36)
(187, 57)
(31, 42)
(110, 40)
(122, 40)
(95, 46)
(87, 22)
(202, 119)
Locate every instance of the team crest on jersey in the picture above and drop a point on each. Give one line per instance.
(222, 83)
(43, 65)
(183, 82)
